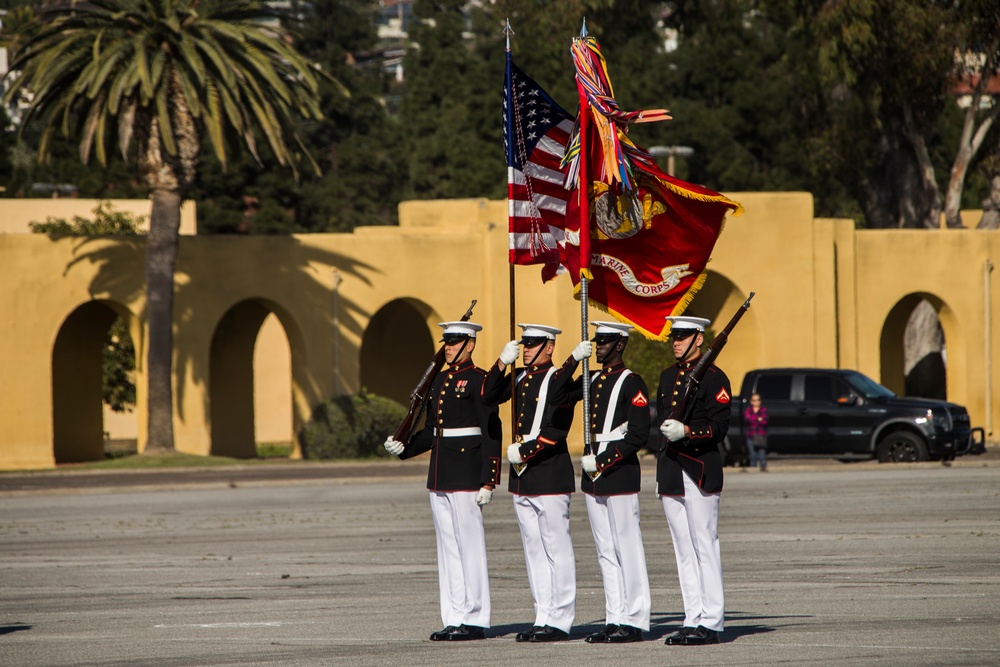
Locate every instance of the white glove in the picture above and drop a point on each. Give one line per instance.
(672, 430)
(509, 353)
(589, 463)
(393, 446)
(484, 496)
(514, 454)
(583, 350)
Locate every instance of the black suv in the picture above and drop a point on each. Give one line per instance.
(845, 415)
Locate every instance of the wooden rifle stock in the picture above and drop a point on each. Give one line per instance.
(418, 397)
(681, 410)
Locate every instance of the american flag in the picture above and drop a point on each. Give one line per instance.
(535, 133)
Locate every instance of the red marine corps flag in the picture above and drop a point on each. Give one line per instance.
(650, 235)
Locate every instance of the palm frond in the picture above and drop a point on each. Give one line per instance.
(162, 64)
(165, 122)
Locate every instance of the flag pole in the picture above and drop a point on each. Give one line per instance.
(583, 181)
(510, 279)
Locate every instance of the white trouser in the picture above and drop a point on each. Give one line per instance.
(614, 521)
(548, 553)
(694, 530)
(461, 555)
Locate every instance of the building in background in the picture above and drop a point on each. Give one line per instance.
(361, 310)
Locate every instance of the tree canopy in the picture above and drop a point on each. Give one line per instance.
(855, 102)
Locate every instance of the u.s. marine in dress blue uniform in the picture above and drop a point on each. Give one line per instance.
(619, 423)
(689, 481)
(541, 479)
(463, 435)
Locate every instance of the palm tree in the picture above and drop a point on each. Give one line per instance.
(163, 74)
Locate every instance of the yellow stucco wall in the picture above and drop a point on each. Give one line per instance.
(825, 295)
(952, 269)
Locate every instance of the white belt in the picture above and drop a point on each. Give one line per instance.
(458, 432)
(617, 434)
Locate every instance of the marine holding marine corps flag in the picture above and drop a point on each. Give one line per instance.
(619, 420)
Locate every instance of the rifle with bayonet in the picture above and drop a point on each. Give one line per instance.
(681, 411)
(418, 397)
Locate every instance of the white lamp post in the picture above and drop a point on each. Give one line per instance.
(670, 152)
(337, 279)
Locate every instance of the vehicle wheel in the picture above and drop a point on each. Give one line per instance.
(725, 453)
(901, 447)
(730, 455)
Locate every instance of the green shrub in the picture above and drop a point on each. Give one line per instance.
(353, 426)
(274, 450)
(107, 222)
(647, 358)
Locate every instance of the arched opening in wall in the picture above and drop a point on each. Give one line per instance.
(396, 348)
(912, 348)
(718, 300)
(250, 382)
(93, 384)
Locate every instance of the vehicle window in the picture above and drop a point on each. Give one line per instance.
(841, 391)
(868, 387)
(819, 388)
(774, 387)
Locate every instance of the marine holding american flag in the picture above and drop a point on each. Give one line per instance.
(541, 477)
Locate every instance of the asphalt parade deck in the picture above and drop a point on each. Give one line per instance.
(333, 564)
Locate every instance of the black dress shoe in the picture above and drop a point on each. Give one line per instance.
(549, 634)
(678, 637)
(624, 635)
(526, 636)
(700, 636)
(464, 633)
(601, 636)
(442, 635)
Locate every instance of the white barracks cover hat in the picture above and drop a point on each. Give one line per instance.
(686, 323)
(460, 329)
(538, 331)
(611, 328)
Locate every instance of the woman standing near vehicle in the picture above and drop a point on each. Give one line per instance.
(755, 428)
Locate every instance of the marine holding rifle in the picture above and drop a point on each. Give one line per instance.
(619, 423)
(689, 475)
(463, 435)
(541, 477)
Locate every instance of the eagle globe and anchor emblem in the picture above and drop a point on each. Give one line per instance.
(622, 215)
